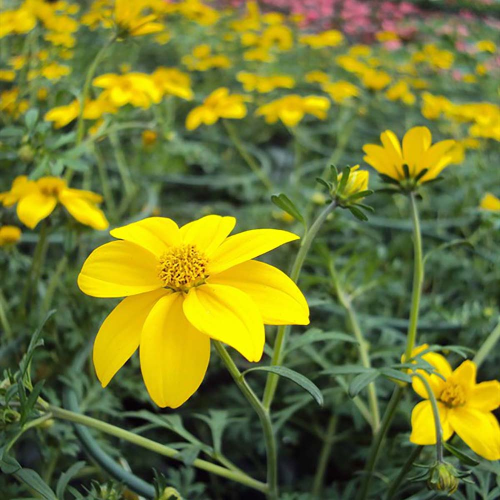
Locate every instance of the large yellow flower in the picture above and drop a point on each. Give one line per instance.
(464, 407)
(424, 160)
(184, 286)
(36, 200)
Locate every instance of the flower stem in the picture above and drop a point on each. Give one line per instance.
(418, 278)
(376, 447)
(435, 413)
(264, 417)
(487, 346)
(324, 457)
(283, 330)
(4, 318)
(254, 167)
(149, 444)
(393, 488)
(346, 303)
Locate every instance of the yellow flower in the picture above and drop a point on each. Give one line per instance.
(386, 36)
(486, 46)
(131, 21)
(375, 80)
(316, 77)
(277, 36)
(9, 235)
(435, 57)
(291, 109)
(330, 38)
(7, 75)
(423, 161)
(433, 106)
(202, 59)
(12, 104)
(490, 202)
(54, 71)
(341, 91)
(18, 21)
(36, 200)
(137, 89)
(149, 137)
(400, 92)
(171, 81)
(219, 104)
(464, 407)
(264, 84)
(356, 183)
(183, 287)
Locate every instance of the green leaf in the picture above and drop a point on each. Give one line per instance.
(30, 118)
(357, 213)
(361, 194)
(326, 184)
(343, 180)
(463, 457)
(359, 382)
(292, 375)
(66, 477)
(282, 201)
(392, 374)
(347, 370)
(189, 454)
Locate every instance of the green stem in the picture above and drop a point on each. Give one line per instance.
(264, 417)
(418, 278)
(487, 346)
(283, 330)
(393, 488)
(53, 282)
(4, 318)
(121, 163)
(376, 447)
(151, 445)
(103, 176)
(254, 167)
(435, 413)
(324, 457)
(345, 301)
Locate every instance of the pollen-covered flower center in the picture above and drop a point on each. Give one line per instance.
(182, 267)
(452, 395)
(51, 186)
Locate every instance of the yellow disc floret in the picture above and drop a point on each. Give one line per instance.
(453, 395)
(182, 267)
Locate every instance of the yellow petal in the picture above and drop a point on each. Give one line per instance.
(208, 232)
(423, 429)
(84, 211)
(485, 396)
(155, 234)
(229, 315)
(442, 366)
(195, 118)
(392, 149)
(465, 375)
(415, 142)
(33, 208)
(246, 246)
(119, 269)
(174, 355)
(119, 335)
(377, 158)
(278, 298)
(479, 430)
(439, 156)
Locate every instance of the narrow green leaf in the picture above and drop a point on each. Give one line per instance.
(292, 375)
(361, 194)
(343, 180)
(30, 118)
(357, 213)
(395, 374)
(359, 382)
(282, 201)
(66, 477)
(31, 479)
(463, 457)
(347, 370)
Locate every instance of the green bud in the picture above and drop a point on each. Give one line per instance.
(443, 477)
(170, 494)
(26, 153)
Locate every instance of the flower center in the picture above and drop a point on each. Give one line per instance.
(51, 186)
(183, 267)
(452, 395)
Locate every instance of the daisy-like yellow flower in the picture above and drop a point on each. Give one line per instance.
(490, 202)
(291, 109)
(340, 91)
(9, 235)
(131, 20)
(330, 38)
(137, 89)
(184, 286)
(417, 161)
(171, 81)
(219, 104)
(464, 407)
(36, 200)
(264, 84)
(375, 80)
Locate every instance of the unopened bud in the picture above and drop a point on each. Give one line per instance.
(443, 477)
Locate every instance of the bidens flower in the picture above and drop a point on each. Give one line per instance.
(36, 200)
(416, 162)
(464, 407)
(219, 104)
(490, 202)
(9, 235)
(184, 286)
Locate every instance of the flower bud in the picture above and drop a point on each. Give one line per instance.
(443, 477)
(26, 153)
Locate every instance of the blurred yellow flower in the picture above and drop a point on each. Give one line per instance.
(490, 202)
(291, 109)
(9, 235)
(18, 21)
(219, 104)
(184, 286)
(417, 161)
(7, 75)
(435, 57)
(202, 59)
(341, 91)
(316, 77)
(137, 89)
(330, 38)
(465, 407)
(486, 46)
(36, 200)
(401, 92)
(61, 39)
(386, 36)
(130, 19)
(12, 104)
(264, 84)
(149, 137)
(172, 81)
(374, 79)
(277, 36)
(433, 106)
